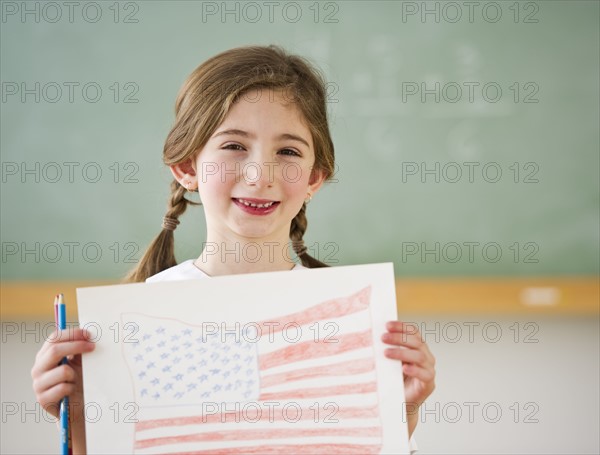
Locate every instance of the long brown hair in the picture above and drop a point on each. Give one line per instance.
(202, 104)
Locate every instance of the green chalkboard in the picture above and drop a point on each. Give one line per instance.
(466, 135)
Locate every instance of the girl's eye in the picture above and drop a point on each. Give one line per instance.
(290, 152)
(229, 147)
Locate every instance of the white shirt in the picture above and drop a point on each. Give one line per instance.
(188, 271)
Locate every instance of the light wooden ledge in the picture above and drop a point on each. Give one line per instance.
(22, 300)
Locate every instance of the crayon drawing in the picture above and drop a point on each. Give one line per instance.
(271, 362)
(301, 383)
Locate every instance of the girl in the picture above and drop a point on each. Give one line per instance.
(251, 136)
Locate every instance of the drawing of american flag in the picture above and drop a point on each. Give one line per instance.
(302, 383)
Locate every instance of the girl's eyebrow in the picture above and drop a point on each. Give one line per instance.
(236, 132)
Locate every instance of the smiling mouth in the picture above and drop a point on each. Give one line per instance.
(256, 203)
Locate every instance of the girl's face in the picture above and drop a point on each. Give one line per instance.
(255, 171)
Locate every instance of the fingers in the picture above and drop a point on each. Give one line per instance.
(407, 335)
(50, 399)
(411, 349)
(48, 379)
(404, 334)
(415, 363)
(52, 386)
(63, 337)
(406, 355)
(54, 352)
(418, 363)
(60, 336)
(426, 375)
(51, 381)
(402, 339)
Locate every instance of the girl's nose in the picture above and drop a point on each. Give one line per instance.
(259, 174)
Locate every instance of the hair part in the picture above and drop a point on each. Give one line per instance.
(203, 103)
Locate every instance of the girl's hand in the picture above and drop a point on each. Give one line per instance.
(52, 382)
(418, 365)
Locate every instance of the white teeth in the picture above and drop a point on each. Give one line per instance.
(250, 204)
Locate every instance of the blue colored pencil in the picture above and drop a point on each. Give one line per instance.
(60, 317)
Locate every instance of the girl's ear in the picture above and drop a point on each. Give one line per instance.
(317, 178)
(185, 174)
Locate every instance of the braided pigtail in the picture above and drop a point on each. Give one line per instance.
(297, 230)
(160, 255)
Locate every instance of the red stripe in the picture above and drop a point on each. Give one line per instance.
(265, 433)
(270, 415)
(336, 369)
(304, 449)
(330, 309)
(344, 389)
(314, 349)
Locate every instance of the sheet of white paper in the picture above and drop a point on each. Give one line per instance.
(278, 362)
